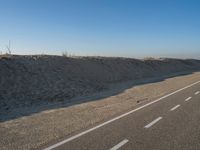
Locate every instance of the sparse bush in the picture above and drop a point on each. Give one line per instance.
(8, 48)
(149, 58)
(65, 54)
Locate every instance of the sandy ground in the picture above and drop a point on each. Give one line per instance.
(29, 81)
(41, 128)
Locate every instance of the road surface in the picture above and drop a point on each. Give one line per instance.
(170, 122)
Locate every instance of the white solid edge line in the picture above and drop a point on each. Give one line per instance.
(119, 145)
(116, 118)
(153, 122)
(175, 107)
(187, 99)
(197, 92)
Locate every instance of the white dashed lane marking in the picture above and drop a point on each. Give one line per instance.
(187, 99)
(119, 145)
(153, 122)
(175, 107)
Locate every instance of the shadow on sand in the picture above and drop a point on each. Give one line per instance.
(113, 90)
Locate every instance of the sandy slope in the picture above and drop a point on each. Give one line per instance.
(27, 81)
(44, 98)
(41, 128)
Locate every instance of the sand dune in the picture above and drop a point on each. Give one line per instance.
(40, 79)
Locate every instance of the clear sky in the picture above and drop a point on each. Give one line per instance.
(135, 28)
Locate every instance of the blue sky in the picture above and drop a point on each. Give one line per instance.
(135, 28)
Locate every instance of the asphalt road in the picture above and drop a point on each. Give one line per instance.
(169, 123)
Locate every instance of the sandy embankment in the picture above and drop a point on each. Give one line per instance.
(26, 81)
